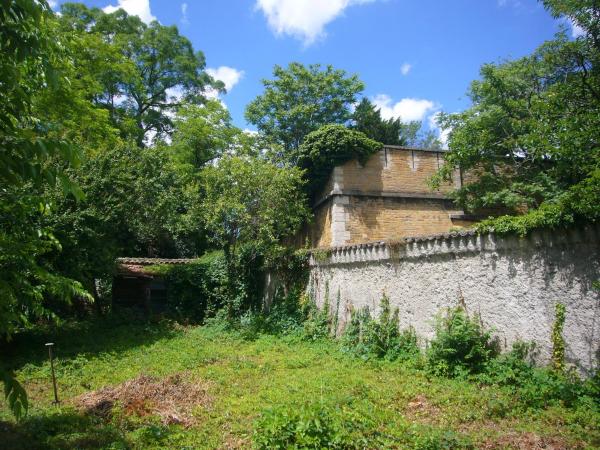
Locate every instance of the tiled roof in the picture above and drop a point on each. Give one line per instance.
(153, 261)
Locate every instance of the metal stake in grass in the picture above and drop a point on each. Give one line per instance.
(50, 345)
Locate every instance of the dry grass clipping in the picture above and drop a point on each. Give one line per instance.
(171, 398)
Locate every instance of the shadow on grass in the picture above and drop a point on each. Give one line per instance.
(115, 333)
(65, 430)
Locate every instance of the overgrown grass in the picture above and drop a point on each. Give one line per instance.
(271, 391)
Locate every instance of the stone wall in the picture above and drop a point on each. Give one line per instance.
(386, 198)
(512, 283)
(395, 169)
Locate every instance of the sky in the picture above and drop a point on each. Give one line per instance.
(416, 57)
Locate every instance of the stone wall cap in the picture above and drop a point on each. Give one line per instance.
(406, 240)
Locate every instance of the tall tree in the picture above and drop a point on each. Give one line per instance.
(367, 119)
(203, 133)
(300, 99)
(532, 135)
(145, 71)
(251, 203)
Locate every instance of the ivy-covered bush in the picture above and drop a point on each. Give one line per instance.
(461, 346)
(330, 146)
(197, 290)
(379, 338)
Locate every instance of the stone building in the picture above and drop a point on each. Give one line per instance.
(386, 199)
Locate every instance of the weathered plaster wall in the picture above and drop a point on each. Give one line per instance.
(512, 283)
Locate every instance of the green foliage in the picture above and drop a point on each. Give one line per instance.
(318, 323)
(530, 139)
(364, 405)
(578, 204)
(308, 427)
(15, 395)
(137, 204)
(250, 205)
(142, 73)
(198, 290)
(203, 133)
(558, 341)
(461, 346)
(299, 100)
(367, 119)
(330, 146)
(381, 338)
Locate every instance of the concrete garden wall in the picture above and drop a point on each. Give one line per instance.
(512, 283)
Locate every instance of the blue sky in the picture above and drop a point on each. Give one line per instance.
(416, 57)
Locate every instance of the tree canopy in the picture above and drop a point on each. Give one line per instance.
(299, 100)
(531, 138)
(367, 119)
(142, 73)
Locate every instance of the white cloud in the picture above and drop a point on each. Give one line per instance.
(52, 3)
(303, 19)
(576, 30)
(407, 109)
(140, 8)
(515, 3)
(184, 17)
(228, 75)
(405, 68)
(442, 133)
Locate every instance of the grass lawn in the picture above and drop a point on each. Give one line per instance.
(216, 387)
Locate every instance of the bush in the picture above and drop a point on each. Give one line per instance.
(534, 387)
(198, 290)
(309, 427)
(318, 322)
(460, 346)
(380, 338)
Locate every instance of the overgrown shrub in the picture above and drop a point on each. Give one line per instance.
(537, 387)
(318, 322)
(318, 426)
(311, 427)
(461, 346)
(381, 338)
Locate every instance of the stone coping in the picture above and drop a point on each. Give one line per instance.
(414, 149)
(453, 243)
(381, 194)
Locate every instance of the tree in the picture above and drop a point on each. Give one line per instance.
(531, 137)
(29, 159)
(330, 146)
(251, 202)
(144, 71)
(367, 119)
(300, 99)
(203, 133)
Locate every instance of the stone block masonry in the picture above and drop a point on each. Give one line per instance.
(511, 283)
(386, 198)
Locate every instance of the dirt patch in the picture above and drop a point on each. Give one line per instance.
(171, 398)
(527, 441)
(421, 409)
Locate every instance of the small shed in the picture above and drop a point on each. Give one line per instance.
(134, 284)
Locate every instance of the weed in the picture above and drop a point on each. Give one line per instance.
(461, 346)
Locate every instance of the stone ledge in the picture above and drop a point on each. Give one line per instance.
(450, 244)
(380, 194)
